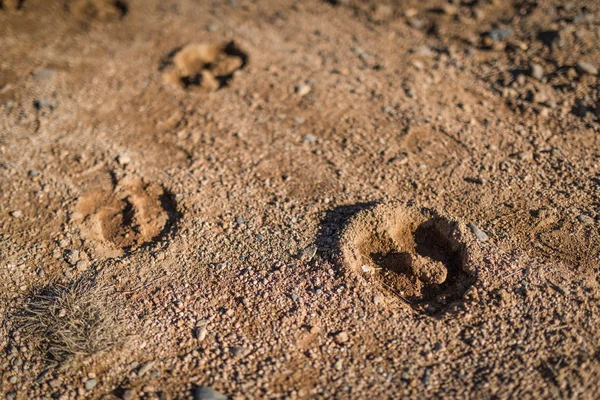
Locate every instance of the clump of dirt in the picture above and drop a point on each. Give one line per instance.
(130, 215)
(205, 66)
(101, 10)
(417, 256)
(65, 321)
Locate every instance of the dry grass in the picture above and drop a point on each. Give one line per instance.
(65, 321)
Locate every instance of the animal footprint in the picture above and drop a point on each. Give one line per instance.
(101, 10)
(205, 66)
(130, 215)
(415, 256)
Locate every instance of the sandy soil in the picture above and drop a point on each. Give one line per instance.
(299, 199)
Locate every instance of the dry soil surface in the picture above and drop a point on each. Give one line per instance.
(299, 199)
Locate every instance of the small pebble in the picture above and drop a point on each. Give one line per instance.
(72, 256)
(338, 365)
(237, 350)
(200, 333)
(537, 71)
(123, 159)
(479, 234)
(17, 214)
(42, 74)
(128, 394)
(341, 337)
(303, 90)
(309, 138)
(145, 368)
(585, 68)
(498, 34)
(90, 384)
(585, 219)
(299, 120)
(154, 374)
(206, 393)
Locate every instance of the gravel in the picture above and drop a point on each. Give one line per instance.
(206, 393)
(309, 138)
(303, 89)
(584, 68)
(145, 368)
(90, 384)
(537, 71)
(341, 337)
(17, 214)
(585, 219)
(479, 234)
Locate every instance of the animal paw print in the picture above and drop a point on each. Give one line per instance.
(99, 10)
(203, 66)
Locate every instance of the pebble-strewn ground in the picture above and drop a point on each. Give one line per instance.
(299, 199)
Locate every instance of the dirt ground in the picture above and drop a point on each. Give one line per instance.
(273, 199)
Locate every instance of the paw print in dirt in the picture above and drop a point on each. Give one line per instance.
(98, 10)
(414, 255)
(125, 216)
(11, 5)
(203, 66)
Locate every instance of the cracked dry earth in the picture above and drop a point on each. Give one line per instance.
(299, 199)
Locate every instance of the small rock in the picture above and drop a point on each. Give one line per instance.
(424, 51)
(338, 365)
(585, 219)
(200, 333)
(42, 74)
(416, 23)
(44, 103)
(17, 214)
(309, 138)
(206, 393)
(498, 34)
(303, 90)
(341, 337)
(90, 384)
(237, 350)
(72, 257)
(299, 120)
(154, 373)
(123, 159)
(128, 394)
(12, 379)
(479, 234)
(145, 368)
(537, 71)
(585, 68)
(34, 172)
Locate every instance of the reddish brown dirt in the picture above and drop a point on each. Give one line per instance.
(213, 197)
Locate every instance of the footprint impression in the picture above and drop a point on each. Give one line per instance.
(203, 66)
(100, 10)
(126, 216)
(416, 256)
